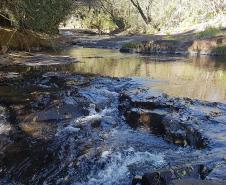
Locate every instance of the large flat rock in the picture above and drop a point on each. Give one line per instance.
(182, 121)
(34, 59)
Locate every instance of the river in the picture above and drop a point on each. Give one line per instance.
(63, 125)
(194, 77)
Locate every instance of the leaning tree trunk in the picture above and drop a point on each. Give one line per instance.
(146, 19)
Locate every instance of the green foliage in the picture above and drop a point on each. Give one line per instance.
(151, 16)
(96, 20)
(209, 32)
(220, 50)
(143, 16)
(39, 15)
(119, 22)
(131, 45)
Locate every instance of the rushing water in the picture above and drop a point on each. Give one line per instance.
(195, 77)
(65, 128)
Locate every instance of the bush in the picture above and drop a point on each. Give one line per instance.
(39, 15)
(209, 32)
(220, 50)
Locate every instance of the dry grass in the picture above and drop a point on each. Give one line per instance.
(23, 40)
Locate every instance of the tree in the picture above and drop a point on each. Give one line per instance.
(147, 18)
(38, 15)
(109, 7)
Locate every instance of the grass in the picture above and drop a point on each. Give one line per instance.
(131, 45)
(209, 32)
(220, 50)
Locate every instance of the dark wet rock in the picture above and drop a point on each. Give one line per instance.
(180, 120)
(186, 175)
(57, 112)
(183, 133)
(126, 50)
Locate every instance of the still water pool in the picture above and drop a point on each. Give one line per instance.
(194, 77)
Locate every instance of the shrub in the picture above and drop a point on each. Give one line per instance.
(209, 32)
(220, 50)
(39, 15)
(131, 45)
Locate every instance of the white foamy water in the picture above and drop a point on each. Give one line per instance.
(118, 164)
(4, 129)
(4, 126)
(93, 115)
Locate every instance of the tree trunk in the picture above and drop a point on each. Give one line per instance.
(136, 4)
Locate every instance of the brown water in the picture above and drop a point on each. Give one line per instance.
(194, 77)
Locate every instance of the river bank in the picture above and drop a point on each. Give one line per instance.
(189, 43)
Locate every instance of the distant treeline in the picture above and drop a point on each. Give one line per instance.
(111, 15)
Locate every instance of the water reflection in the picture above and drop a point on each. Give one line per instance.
(195, 77)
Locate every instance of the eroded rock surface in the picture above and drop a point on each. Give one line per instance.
(180, 120)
